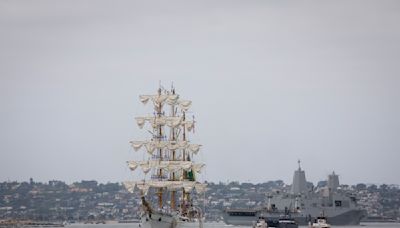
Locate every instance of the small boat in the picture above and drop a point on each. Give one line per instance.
(320, 222)
(261, 223)
(288, 222)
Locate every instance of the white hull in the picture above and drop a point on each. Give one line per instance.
(315, 225)
(320, 223)
(158, 220)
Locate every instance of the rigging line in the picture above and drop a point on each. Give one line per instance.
(178, 133)
(151, 133)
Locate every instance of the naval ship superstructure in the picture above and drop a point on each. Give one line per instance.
(303, 204)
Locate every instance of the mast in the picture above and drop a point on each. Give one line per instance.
(184, 173)
(173, 207)
(160, 190)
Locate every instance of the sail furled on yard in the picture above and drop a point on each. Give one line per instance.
(151, 146)
(170, 185)
(170, 99)
(170, 121)
(170, 166)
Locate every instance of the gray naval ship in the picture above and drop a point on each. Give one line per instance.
(303, 205)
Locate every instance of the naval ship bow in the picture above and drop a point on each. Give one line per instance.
(169, 170)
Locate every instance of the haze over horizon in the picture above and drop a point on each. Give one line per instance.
(271, 82)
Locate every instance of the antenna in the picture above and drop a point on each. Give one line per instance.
(298, 161)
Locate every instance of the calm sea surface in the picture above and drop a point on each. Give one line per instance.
(219, 225)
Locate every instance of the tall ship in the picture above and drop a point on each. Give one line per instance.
(303, 204)
(169, 173)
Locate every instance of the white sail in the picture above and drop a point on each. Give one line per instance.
(133, 165)
(197, 167)
(159, 121)
(170, 166)
(200, 187)
(159, 99)
(194, 148)
(170, 185)
(170, 99)
(171, 145)
(170, 121)
(188, 185)
(185, 105)
(143, 164)
(145, 167)
(143, 187)
(130, 186)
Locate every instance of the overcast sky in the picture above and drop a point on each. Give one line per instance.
(271, 82)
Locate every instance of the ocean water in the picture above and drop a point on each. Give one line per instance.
(221, 225)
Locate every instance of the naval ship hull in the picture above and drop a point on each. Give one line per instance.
(248, 217)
